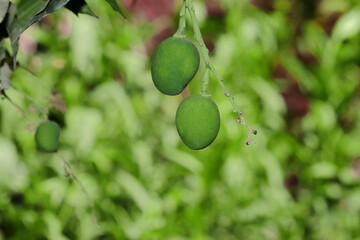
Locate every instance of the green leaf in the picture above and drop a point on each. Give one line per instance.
(53, 6)
(5, 74)
(80, 6)
(2, 51)
(8, 19)
(115, 5)
(348, 25)
(3, 31)
(4, 5)
(324, 170)
(87, 10)
(29, 13)
(26, 10)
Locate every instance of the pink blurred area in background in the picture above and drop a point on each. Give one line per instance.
(297, 103)
(214, 9)
(161, 14)
(27, 45)
(151, 9)
(64, 27)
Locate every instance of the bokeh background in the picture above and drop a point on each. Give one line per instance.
(294, 69)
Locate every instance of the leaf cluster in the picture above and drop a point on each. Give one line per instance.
(16, 18)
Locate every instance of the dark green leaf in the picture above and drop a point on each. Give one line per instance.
(33, 13)
(10, 17)
(2, 52)
(5, 74)
(3, 31)
(80, 6)
(4, 5)
(115, 5)
(26, 10)
(7, 20)
(87, 10)
(53, 6)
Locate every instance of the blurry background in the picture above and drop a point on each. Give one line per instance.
(294, 69)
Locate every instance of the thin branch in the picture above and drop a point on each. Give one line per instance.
(205, 53)
(205, 84)
(29, 98)
(182, 22)
(17, 107)
(71, 173)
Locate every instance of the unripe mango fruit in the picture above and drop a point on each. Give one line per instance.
(47, 136)
(197, 121)
(174, 64)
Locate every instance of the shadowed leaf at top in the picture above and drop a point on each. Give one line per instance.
(115, 5)
(26, 10)
(30, 12)
(4, 4)
(80, 6)
(53, 6)
(5, 74)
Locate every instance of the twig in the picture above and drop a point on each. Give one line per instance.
(70, 172)
(205, 53)
(17, 107)
(182, 22)
(205, 84)
(29, 98)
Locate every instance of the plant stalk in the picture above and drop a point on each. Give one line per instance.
(205, 53)
(71, 173)
(182, 22)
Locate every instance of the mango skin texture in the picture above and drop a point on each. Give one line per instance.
(47, 137)
(197, 121)
(174, 64)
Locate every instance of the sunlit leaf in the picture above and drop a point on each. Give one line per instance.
(323, 170)
(348, 25)
(135, 189)
(10, 167)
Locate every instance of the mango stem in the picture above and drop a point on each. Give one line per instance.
(209, 67)
(182, 22)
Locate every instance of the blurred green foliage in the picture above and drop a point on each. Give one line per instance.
(293, 67)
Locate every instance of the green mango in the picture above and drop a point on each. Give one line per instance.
(174, 64)
(197, 121)
(47, 137)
